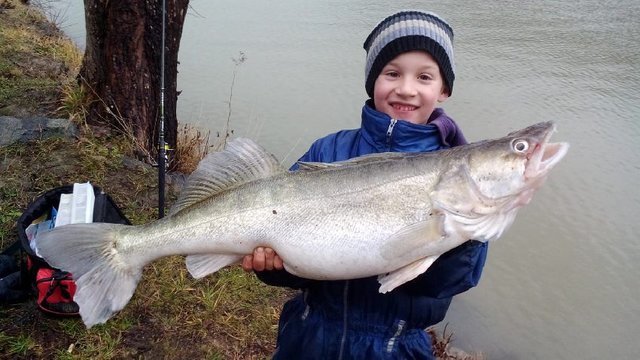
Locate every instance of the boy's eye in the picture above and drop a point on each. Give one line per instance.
(424, 77)
(392, 74)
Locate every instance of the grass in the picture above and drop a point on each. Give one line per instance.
(229, 315)
(17, 346)
(36, 61)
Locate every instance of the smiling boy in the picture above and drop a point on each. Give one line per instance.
(409, 87)
(409, 70)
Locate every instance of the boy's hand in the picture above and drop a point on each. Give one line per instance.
(262, 259)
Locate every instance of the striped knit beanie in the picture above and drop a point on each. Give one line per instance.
(408, 31)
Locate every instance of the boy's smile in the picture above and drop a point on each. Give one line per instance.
(409, 87)
(402, 107)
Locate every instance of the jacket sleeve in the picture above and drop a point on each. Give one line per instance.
(282, 278)
(454, 272)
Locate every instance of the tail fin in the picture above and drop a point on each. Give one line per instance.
(105, 282)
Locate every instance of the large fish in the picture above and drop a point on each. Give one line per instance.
(389, 214)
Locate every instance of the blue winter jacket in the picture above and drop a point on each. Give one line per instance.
(351, 319)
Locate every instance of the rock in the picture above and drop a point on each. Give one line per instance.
(135, 165)
(14, 129)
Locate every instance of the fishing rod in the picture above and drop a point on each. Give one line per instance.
(161, 143)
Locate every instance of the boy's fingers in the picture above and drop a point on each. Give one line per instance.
(268, 258)
(258, 259)
(247, 263)
(277, 263)
(262, 259)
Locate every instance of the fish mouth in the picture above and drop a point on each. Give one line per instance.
(544, 157)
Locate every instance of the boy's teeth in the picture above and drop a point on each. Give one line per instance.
(404, 107)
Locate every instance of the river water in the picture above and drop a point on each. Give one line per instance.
(563, 282)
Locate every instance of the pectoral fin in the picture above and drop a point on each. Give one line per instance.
(202, 265)
(415, 236)
(406, 273)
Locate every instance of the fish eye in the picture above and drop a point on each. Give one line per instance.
(520, 145)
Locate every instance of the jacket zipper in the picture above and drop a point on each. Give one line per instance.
(307, 308)
(393, 339)
(392, 124)
(345, 303)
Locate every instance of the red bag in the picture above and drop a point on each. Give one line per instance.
(55, 289)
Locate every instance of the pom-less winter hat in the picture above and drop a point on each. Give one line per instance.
(407, 31)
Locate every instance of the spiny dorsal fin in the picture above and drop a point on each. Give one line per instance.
(240, 162)
(364, 159)
(311, 166)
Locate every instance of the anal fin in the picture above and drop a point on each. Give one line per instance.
(202, 265)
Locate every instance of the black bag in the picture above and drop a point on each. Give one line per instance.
(11, 287)
(54, 288)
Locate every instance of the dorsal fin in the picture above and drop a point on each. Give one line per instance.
(311, 166)
(240, 162)
(360, 160)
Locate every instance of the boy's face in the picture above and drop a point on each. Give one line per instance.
(409, 87)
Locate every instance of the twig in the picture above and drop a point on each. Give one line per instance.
(238, 61)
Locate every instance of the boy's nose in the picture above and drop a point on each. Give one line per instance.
(406, 88)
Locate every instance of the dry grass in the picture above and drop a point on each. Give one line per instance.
(443, 347)
(192, 146)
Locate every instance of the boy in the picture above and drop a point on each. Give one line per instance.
(409, 69)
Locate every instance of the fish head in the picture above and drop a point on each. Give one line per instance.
(494, 178)
(517, 164)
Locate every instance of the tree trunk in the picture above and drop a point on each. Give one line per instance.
(121, 66)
